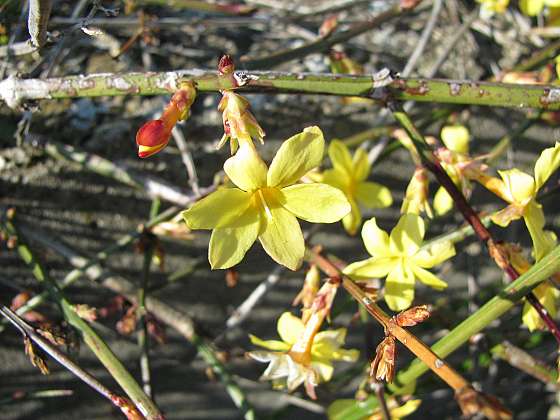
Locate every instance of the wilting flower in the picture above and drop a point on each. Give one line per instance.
(349, 175)
(309, 289)
(266, 203)
(383, 365)
(154, 135)
(240, 126)
(520, 190)
(400, 258)
(288, 371)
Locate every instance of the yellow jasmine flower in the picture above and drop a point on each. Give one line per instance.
(349, 175)
(266, 202)
(534, 7)
(291, 372)
(520, 190)
(399, 257)
(489, 7)
(456, 140)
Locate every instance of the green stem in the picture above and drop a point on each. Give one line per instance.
(170, 316)
(77, 273)
(492, 310)
(15, 91)
(93, 341)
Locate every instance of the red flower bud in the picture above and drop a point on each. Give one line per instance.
(225, 65)
(155, 134)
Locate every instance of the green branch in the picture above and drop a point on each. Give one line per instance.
(15, 91)
(93, 341)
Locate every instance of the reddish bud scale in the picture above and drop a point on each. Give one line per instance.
(225, 65)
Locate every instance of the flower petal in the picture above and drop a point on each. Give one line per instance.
(399, 288)
(228, 245)
(296, 374)
(275, 345)
(297, 156)
(428, 278)
(337, 179)
(547, 163)
(543, 241)
(407, 236)
(340, 157)
(373, 195)
(371, 268)
(548, 296)
(506, 215)
(442, 201)
(519, 185)
(290, 328)
(360, 164)
(376, 240)
(324, 370)
(246, 169)
(404, 410)
(456, 138)
(531, 7)
(352, 220)
(281, 236)
(221, 208)
(316, 203)
(435, 254)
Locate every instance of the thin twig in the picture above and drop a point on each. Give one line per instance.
(187, 159)
(28, 331)
(451, 43)
(424, 38)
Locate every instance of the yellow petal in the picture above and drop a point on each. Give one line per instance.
(246, 169)
(221, 208)
(543, 241)
(324, 369)
(407, 236)
(361, 165)
(404, 410)
(297, 156)
(352, 220)
(290, 328)
(428, 278)
(552, 3)
(456, 138)
(547, 163)
(316, 203)
(340, 157)
(269, 344)
(373, 195)
(442, 201)
(546, 294)
(520, 186)
(399, 288)
(531, 7)
(228, 245)
(375, 239)
(434, 255)
(371, 268)
(505, 216)
(281, 236)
